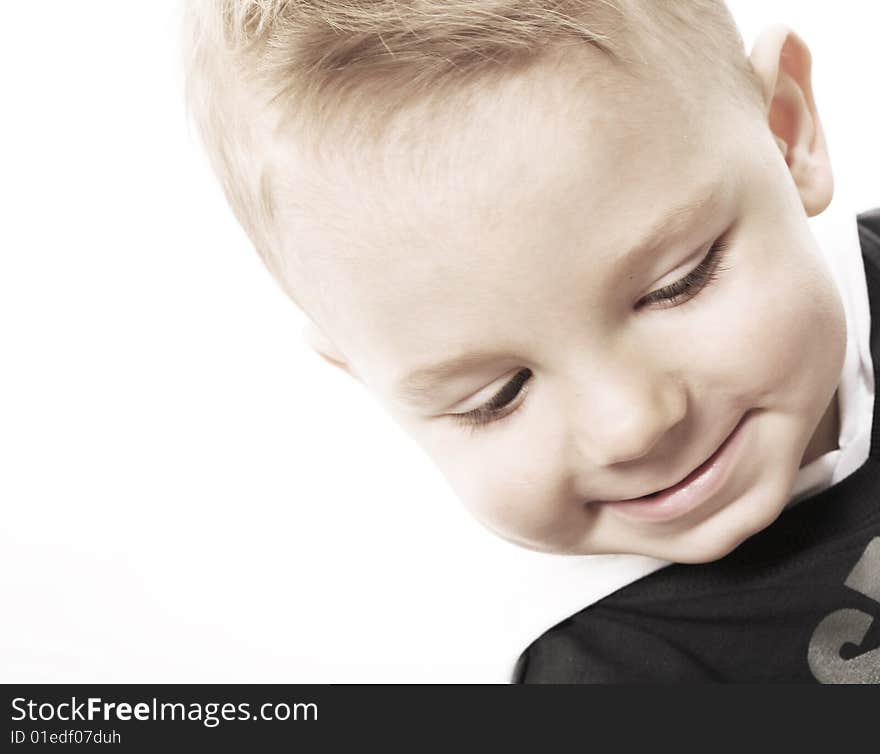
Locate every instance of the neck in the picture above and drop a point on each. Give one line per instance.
(824, 439)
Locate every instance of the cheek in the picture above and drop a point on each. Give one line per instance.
(508, 478)
(776, 332)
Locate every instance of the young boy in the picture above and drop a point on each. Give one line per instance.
(566, 246)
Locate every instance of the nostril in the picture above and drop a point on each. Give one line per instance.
(633, 445)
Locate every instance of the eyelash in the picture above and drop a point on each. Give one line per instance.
(687, 287)
(695, 281)
(493, 409)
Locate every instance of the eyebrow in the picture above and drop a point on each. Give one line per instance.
(676, 221)
(414, 387)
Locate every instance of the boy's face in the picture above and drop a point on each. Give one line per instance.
(534, 239)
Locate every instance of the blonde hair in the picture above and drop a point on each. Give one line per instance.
(257, 68)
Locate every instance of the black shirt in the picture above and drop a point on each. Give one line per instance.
(796, 602)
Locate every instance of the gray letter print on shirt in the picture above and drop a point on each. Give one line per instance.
(849, 626)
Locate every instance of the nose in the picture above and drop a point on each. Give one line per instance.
(622, 413)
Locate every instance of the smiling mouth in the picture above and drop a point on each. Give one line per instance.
(700, 485)
(688, 478)
(681, 482)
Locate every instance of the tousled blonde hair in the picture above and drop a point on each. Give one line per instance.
(254, 68)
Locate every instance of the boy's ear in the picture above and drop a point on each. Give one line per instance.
(315, 337)
(783, 62)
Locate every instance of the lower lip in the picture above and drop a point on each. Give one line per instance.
(695, 489)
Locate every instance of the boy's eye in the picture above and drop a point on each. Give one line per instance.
(494, 408)
(681, 290)
(692, 283)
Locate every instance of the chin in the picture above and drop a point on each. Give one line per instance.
(706, 553)
(722, 534)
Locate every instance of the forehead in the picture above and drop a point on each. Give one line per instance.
(436, 241)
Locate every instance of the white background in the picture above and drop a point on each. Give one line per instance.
(188, 493)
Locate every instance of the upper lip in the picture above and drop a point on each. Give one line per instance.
(688, 473)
